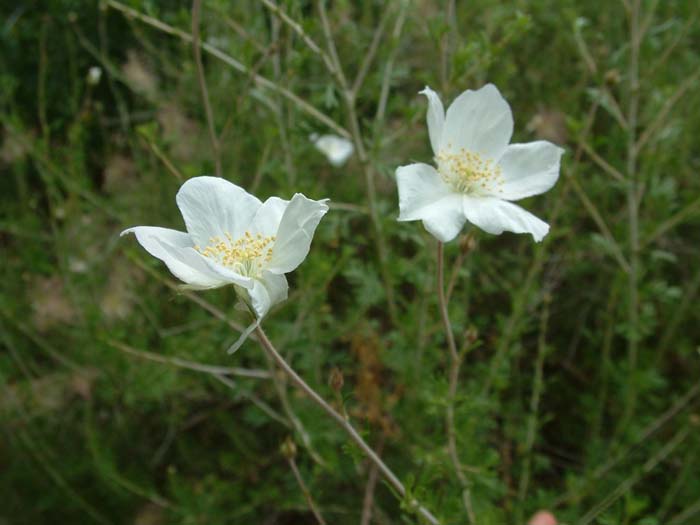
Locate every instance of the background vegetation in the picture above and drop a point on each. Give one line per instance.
(579, 386)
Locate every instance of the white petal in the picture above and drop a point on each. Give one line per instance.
(259, 299)
(436, 118)
(268, 217)
(479, 121)
(420, 186)
(336, 149)
(272, 289)
(529, 169)
(295, 232)
(276, 286)
(213, 207)
(173, 247)
(496, 216)
(445, 218)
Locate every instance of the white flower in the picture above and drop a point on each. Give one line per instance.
(336, 149)
(94, 75)
(478, 172)
(233, 238)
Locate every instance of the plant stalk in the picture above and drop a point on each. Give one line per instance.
(455, 364)
(386, 472)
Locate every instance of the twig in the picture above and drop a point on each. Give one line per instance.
(600, 222)
(371, 52)
(455, 364)
(190, 365)
(284, 17)
(165, 160)
(679, 37)
(389, 67)
(646, 23)
(238, 28)
(333, 52)
(368, 499)
(672, 222)
(305, 491)
(264, 407)
(196, 48)
(235, 64)
(583, 49)
(601, 162)
(279, 387)
(344, 424)
(661, 116)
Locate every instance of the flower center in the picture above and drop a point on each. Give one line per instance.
(245, 256)
(468, 172)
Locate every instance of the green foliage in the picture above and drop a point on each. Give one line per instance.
(106, 418)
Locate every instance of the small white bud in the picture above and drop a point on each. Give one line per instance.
(336, 149)
(94, 75)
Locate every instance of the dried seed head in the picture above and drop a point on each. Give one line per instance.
(336, 380)
(288, 448)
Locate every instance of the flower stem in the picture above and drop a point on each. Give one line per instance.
(344, 424)
(455, 364)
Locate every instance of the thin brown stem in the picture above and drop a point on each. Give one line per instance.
(307, 494)
(368, 500)
(197, 50)
(673, 221)
(597, 217)
(371, 52)
(601, 162)
(663, 113)
(455, 364)
(164, 159)
(190, 365)
(278, 382)
(389, 67)
(344, 424)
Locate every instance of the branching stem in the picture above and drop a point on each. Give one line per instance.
(343, 423)
(455, 364)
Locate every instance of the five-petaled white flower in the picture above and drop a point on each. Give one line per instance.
(233, 238)
(478, 172)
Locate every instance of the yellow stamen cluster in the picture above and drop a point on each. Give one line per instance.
(246, 255)
(467, 172)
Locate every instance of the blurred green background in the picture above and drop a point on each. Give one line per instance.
(580, 382)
